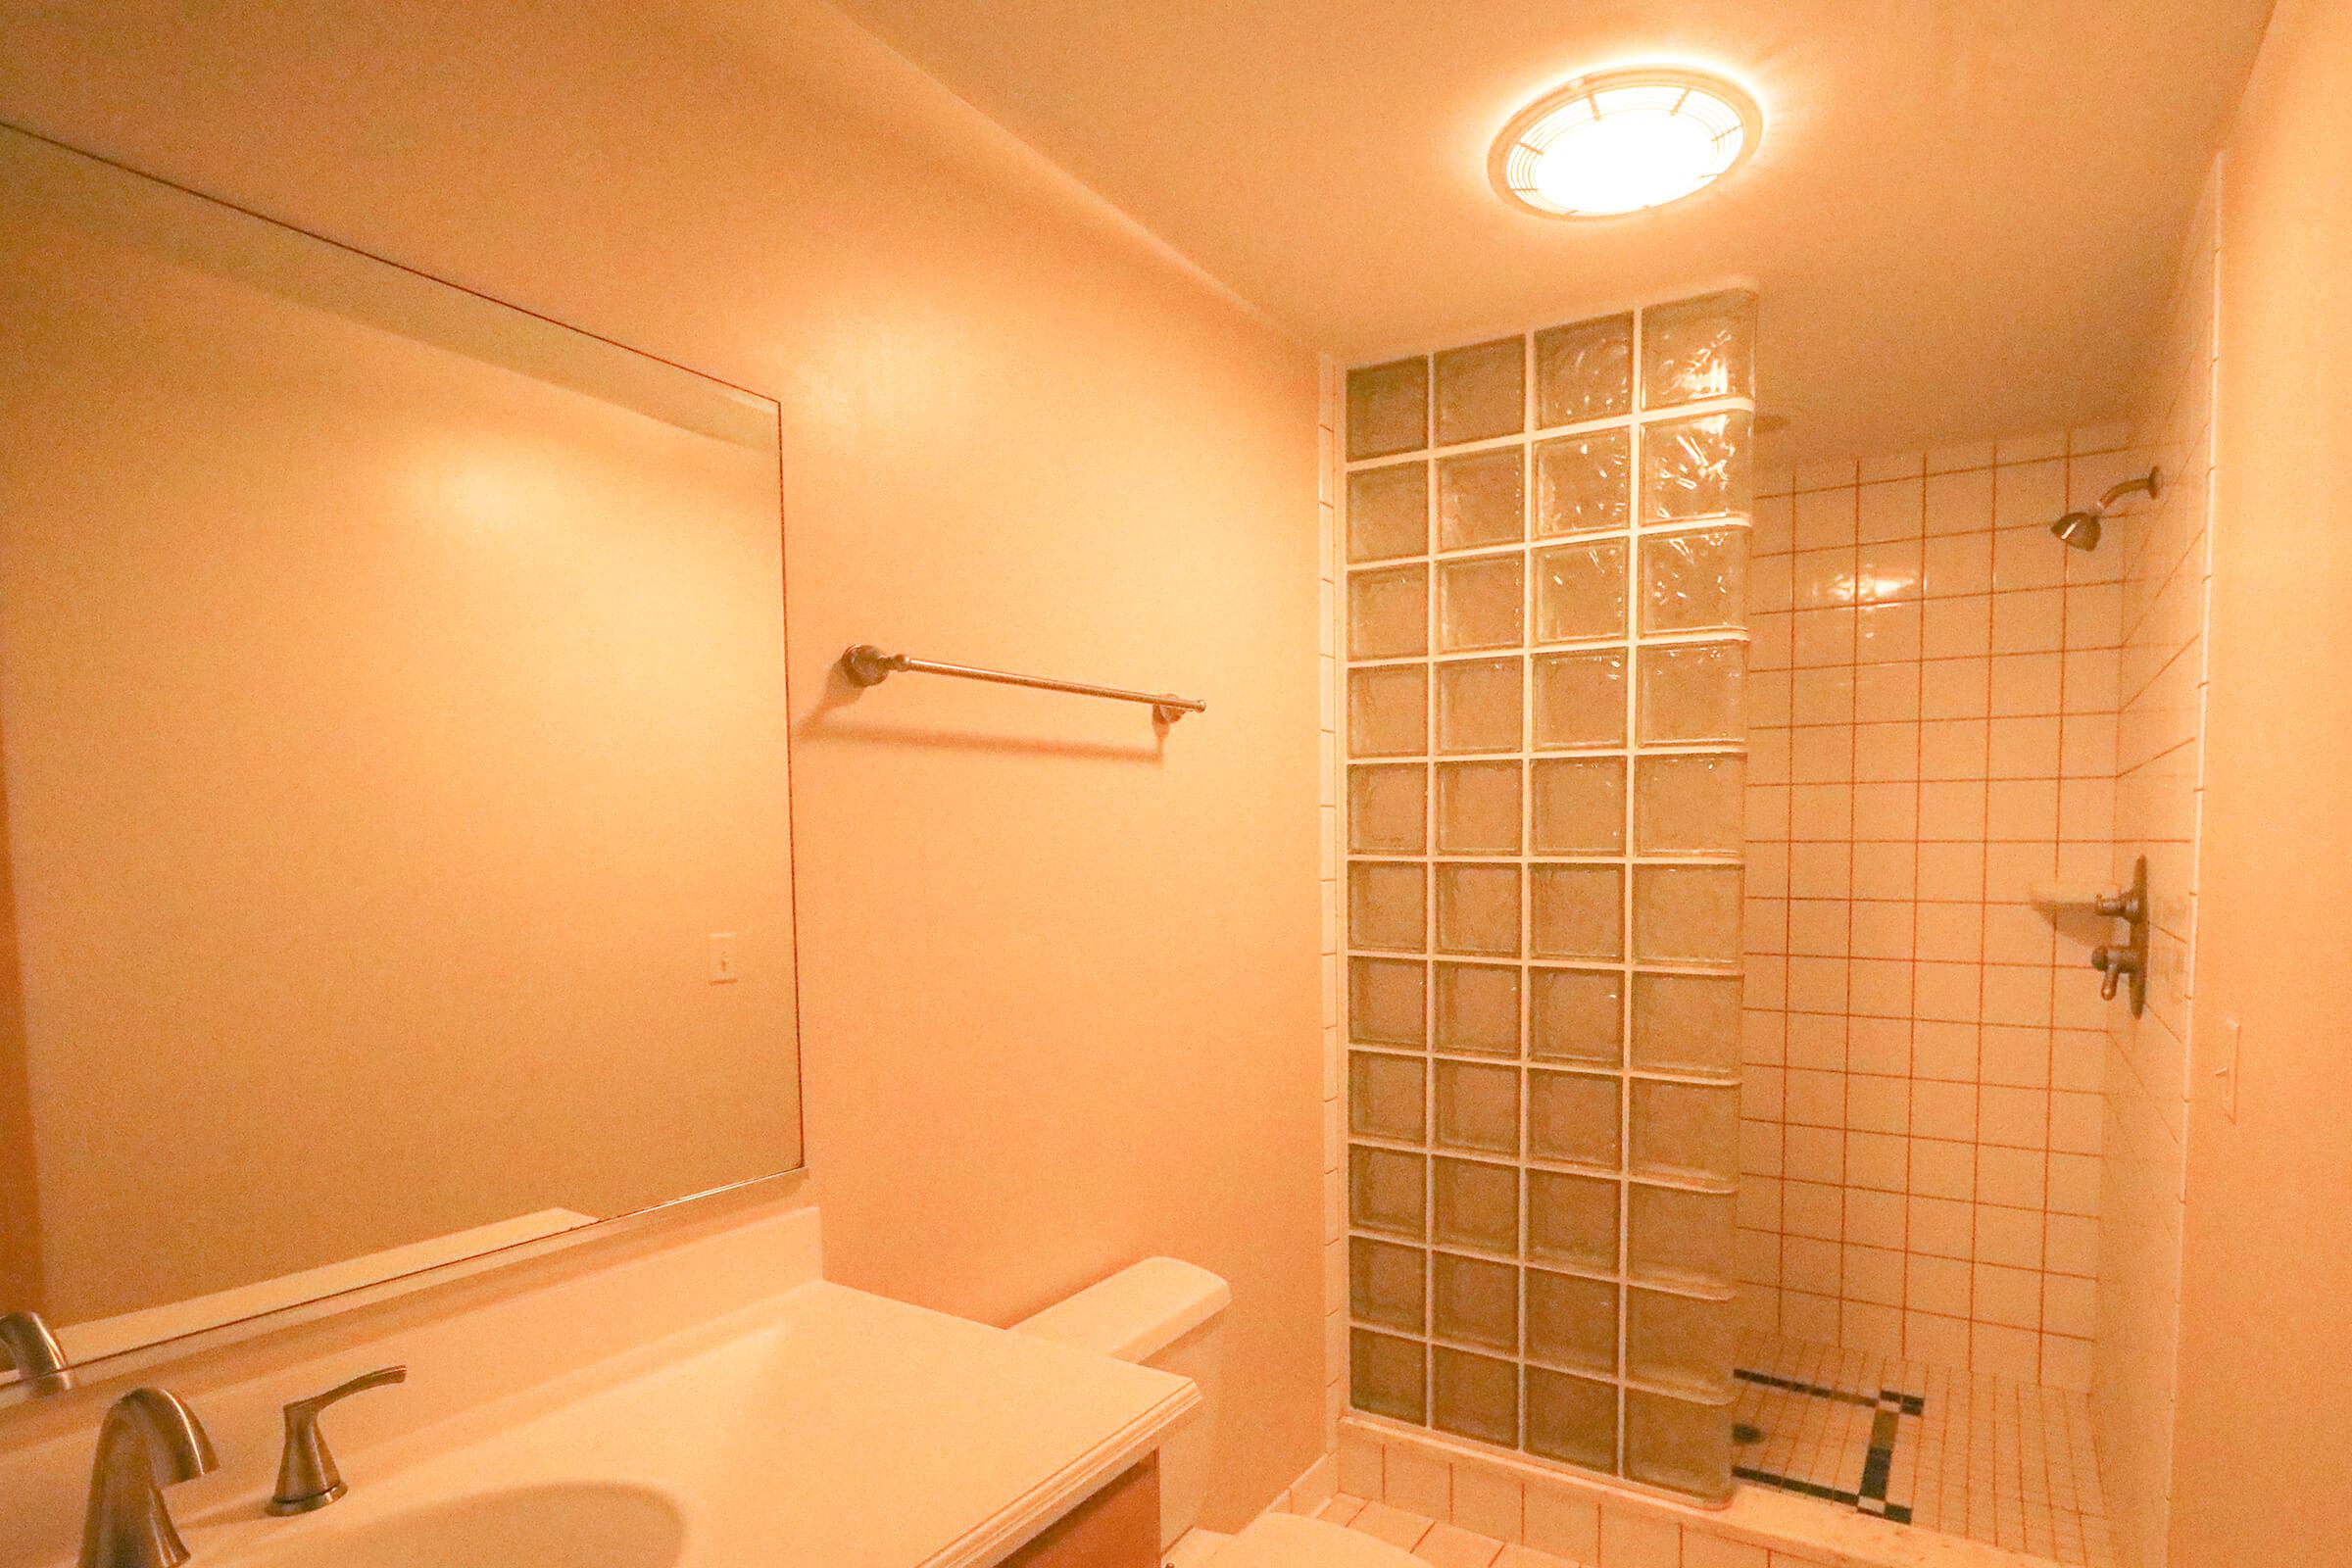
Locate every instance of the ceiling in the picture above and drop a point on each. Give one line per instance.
(1962, 219)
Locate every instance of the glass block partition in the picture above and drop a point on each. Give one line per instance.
(1546, 546)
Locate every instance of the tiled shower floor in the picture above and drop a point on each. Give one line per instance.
(1988, 1458)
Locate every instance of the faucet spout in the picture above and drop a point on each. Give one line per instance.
(148, 1440)
(27, 1345)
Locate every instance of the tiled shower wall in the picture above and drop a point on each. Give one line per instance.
(1935, 696)
(1546, 543)
(2159, 773)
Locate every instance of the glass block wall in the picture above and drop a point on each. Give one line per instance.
(1546, 544)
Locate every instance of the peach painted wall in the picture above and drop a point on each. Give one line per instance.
(2262, 1464)
(1058, 979)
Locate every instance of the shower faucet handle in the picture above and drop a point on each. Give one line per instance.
(2124, 904)
(2114, 964)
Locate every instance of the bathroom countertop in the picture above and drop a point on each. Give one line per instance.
(826, 1428)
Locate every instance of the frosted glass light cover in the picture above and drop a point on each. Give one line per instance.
(1577, 911)
(1384, 1191)
(1576, 1016)
(1476, 1395)
(1481, 391)
(1572, 1321)
(1686, 913)
(1696, 467)
(1691, 805)
(1478, 1205)
(1682, 1238)
(1482, 499)
(1478, 1108)
(1477, 808)
(1387, 711)
(1478, 603)
(1580, 806)
(1387, 1374)
(1386, 1283)
(1584, 370)
(1475, 1300)
(1572, 1220)
(1478, 1009)
(1692, 692)
(1384, 1001)
(1387, 613)
(1478, 704)
(1386, 905)
(1679, 1341)
(1697, 349)
(1694, 581)
(1572, 1419)
(1478, 910)
(1686, 1130)
(1387, 512)
(1388, 809)
(1580, 699)
(1573, 1116)
(1678, 1444)
(1584, 484)
(1387, 1097)
(1687, 1023)
(1387, 408)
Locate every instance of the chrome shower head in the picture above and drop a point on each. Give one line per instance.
(2077, 530)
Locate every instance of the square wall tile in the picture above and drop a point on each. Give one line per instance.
(1481, 391)
(1387, 1374)
(1482, 499)
(1687, 1023)
(1386, 1283)
(1678, 1444)
(1687, 1132)
(1580, 699)
(1577, 911)
(1387, 613)
(1478, 1009)
(1387, 711)
(1584, 484)
(1579, 806)
(1386, 1000)
(1572, 1419)
(1477, 808)
(1477, 1206)
(1697, 349)
(1478, 704)
(1696, 580)
(1387, 408)
(1690, 805)
(1579, 591)
(1584, 370)
(1692, 692)
(1478, 1108)
(1698, 468)
(1385, 1192)
(1680, 1341)
(1478, 603)
(1387, 512)
(1387, 1096)
(1679, 1237)
(1572, 1321)
(1573, 1116)
(1386, 905)
(1475, 1300)
(1577, 1016)
(1686, 913)
(1388, 809)
(1572, 1220)
(1477, 1396)
(1478, 910)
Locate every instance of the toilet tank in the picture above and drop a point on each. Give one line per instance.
(1166, 1313)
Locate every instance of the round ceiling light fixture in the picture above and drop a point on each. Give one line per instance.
(1620, 141)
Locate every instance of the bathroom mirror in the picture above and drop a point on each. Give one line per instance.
(393, 744)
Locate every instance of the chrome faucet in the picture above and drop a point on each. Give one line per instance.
(308, 1477)
(27, 1345)
(147, 1442)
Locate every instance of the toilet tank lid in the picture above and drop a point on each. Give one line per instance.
(1137, 1312)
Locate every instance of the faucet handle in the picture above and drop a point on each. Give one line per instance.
(307, 1474)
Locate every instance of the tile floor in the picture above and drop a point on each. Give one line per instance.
(1985, 1457)
(1445, 1545)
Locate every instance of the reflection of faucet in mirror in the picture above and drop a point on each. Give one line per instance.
(148, 1440)
(29, 1348)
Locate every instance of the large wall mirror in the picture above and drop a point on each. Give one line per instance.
(392, 770)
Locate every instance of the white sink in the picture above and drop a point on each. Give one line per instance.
(573, 1524)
